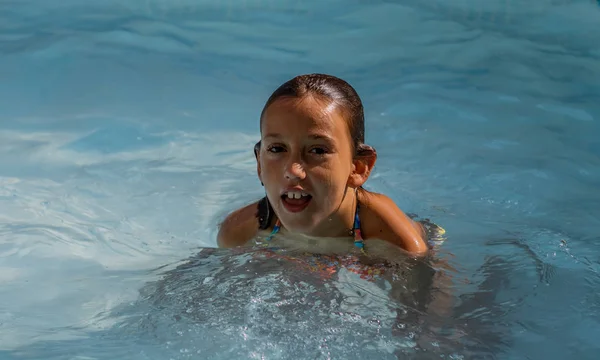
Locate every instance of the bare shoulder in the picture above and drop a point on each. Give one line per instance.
(382, 219)
(238, 227)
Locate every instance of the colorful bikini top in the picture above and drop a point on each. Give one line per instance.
(264, 220)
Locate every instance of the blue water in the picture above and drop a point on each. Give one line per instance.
(126, 130)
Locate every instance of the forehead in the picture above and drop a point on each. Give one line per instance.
(307, 114)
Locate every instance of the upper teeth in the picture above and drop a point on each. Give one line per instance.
(296, 194)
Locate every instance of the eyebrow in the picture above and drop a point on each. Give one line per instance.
(312, 136)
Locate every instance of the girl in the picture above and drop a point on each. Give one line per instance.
(313, 163)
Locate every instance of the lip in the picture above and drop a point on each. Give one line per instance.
(294, 208)
(294, 188)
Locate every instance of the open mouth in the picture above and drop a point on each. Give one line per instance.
(295, 201)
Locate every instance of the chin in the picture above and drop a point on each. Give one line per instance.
(294, 225)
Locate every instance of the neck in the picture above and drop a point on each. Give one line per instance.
(341, 221)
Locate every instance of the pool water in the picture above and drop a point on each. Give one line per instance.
(126, 134)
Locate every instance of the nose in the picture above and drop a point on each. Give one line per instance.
(294, 170)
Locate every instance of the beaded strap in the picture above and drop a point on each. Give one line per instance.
(358, 239)
(275, 230)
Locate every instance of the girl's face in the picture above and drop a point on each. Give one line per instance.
(305, 162)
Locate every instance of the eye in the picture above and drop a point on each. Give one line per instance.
(319, 151)
(275, 148)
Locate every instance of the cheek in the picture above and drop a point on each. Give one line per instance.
(333, 180)
(269, 167)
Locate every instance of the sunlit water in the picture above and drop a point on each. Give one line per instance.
(126, 130)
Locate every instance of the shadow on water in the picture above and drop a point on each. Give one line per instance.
(255, 303)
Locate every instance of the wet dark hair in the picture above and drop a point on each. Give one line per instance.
(330, 88)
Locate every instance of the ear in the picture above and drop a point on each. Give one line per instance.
(363, 164)
(257, 156)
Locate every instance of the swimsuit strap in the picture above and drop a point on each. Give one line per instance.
(358, 239)
(275, 230)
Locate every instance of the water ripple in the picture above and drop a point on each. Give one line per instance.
(126, 131)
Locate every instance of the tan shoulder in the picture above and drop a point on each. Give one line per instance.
(382, 219)
(238, 227)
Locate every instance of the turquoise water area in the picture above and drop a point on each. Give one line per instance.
(126, 134)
